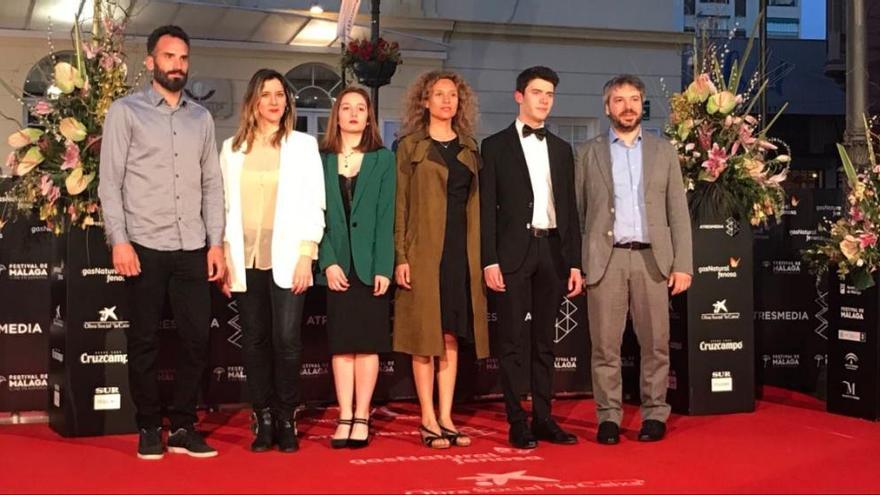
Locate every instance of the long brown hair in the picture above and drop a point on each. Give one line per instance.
(416, 116)
(247, 120)
(370, 139)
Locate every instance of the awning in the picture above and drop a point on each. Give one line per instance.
(215, 20)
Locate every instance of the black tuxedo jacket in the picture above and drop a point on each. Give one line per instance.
(507, 202)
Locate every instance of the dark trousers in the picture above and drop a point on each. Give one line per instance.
(527, 313)
(271, 342)
(183, 277)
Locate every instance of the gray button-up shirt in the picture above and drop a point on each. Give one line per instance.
(160, 181)
(630, 220)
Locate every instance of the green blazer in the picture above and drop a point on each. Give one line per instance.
(370, 230)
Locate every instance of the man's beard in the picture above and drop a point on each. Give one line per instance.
(620, 126)
(173, 85)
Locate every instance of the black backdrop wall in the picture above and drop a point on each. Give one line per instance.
(85, 312)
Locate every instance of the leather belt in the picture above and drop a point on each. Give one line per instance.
(536, 232)
(633, 246)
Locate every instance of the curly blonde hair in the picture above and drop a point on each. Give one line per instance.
(416, 117)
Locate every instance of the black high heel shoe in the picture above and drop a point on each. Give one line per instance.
(354, 443)
(341, 443)
(455, 438)
(432, 439)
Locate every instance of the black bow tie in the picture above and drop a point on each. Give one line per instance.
(539, 133)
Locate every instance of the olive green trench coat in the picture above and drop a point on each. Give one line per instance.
(419, 230)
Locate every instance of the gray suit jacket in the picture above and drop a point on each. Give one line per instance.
(669, 223)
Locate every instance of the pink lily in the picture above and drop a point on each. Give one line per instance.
(717, 161)
(46, 185)
(71, 156)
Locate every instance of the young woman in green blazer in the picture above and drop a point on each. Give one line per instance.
(356, 257)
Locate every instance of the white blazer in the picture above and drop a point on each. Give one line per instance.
(299, 207)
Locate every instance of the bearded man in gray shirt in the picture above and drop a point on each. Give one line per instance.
(161, 192)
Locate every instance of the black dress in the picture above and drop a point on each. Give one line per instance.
(357, 321)
(456, 316)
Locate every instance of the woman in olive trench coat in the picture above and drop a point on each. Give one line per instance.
(440, 112)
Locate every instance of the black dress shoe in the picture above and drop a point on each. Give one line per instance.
(359, 443)
(263, 430)
(521, 436)
(652, 431)
(341, 443)
(548, 430)
(609, 433)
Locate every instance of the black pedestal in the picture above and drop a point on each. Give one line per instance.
(712, 343)
(88, 382)
(854, 350)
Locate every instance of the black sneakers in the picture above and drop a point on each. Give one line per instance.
(190, 442)
(150, 444)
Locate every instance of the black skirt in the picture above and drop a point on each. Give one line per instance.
(357, 321)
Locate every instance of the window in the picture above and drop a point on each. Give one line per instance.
(739, 8)
(783, 26)
(689, 7)
(782, 3)
(38, 83)
(315, 87)
(575, 131)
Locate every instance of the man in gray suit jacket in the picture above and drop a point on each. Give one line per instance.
(636, 247)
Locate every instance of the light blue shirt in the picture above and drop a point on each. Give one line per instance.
(630, 221)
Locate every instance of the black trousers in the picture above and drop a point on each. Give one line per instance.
(183, 277)
(527, 313)
(271, 342)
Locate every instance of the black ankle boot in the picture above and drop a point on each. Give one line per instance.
(285, 434)
(264, 430)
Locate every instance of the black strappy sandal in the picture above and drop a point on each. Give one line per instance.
(359, 443)
(430, 438)
(341, 443)
(456, 438)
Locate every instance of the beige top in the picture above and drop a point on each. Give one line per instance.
(259, 187)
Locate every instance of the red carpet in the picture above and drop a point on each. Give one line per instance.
(788, 445)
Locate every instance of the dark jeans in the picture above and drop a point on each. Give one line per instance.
(271, 342)
(183, 276)
(527, 311)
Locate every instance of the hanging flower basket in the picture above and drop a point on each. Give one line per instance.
(374, 73)
(373, 63)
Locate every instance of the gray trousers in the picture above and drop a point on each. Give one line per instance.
(632, 283)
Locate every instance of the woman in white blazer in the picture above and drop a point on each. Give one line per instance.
(274, 186)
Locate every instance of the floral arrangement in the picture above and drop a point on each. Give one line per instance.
(852, 239)
(54, 163)
(364, 50)
(729, 164)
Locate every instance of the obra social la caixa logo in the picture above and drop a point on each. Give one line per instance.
(107, 320)
(720, 312)
(523, 481)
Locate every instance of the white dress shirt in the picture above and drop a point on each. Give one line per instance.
(538, 161)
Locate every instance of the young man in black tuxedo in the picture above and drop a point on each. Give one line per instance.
(531, 244)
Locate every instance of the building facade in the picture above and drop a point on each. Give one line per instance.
(785, 18)
(489, 42)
